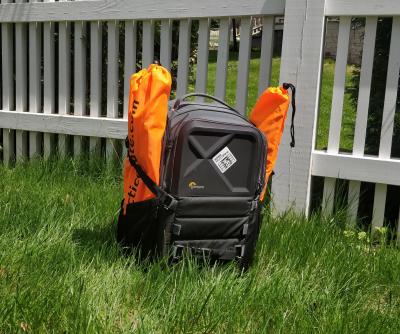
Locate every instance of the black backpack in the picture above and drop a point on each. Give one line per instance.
(212, 174)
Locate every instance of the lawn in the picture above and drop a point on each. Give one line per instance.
(61, 270)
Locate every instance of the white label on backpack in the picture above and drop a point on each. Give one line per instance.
(224, 159)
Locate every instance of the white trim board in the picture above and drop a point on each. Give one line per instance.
(65, 124)
(349, 167)
(136, 9)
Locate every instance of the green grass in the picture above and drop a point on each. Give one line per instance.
(349, 110)
(61, 270)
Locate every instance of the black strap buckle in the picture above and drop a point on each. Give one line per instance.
(177, 251)
(245, 229)
(176, 229)
(168, 202)
(239, 251)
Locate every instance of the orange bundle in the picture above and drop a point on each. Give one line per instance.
(147, 115)
(269, 116)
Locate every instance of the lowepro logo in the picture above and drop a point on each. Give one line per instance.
(193, 185)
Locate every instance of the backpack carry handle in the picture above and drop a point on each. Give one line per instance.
(179, 100)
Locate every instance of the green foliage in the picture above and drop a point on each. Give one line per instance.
(61, 270)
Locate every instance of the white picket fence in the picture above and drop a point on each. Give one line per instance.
(34, 106)
(302, 57)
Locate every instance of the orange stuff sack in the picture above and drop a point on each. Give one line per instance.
(147, 116)
(269, 116)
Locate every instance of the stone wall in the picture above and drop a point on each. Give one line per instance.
(355, 43)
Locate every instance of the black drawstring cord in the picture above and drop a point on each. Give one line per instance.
(293, 88)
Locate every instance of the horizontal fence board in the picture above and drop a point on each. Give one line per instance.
(116, 128)
(362, 8)
(128, 9)
(348, 167)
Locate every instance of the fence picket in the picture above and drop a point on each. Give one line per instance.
(183, 56)
(48, 82)
(35, 87)
(328, 196)
(362, 109)
(202, 56)
(79, 78)
(392, 80)
(166, 43)
(378, 214)
(130, 60)
(335, 124)
(148, 43)
(243, 64)
(95, 78)
(389, 110)
(21, 72)
(8, 88)
(112, 80)
(267, 48)
(64, 69)
(222, 58)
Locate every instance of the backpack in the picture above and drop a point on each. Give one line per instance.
(207, 203)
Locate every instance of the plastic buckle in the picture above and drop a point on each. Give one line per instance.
(177, 251)
(168, 202)
(239, 251)
(176, 229)
(245, 229)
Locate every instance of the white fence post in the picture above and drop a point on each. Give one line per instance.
(301, 65)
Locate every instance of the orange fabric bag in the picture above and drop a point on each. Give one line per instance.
(269, 116)
(147, 115)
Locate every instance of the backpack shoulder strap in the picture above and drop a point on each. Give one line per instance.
(168, 201)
